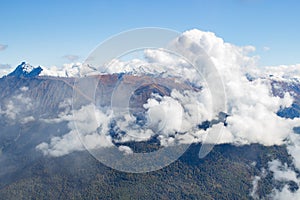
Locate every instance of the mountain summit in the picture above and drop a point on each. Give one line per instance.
(26, 70)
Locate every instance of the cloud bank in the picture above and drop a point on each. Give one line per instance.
(251, 105)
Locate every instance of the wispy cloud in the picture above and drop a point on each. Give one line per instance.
(71, 57)
(3, 47)
(266, 48)
(17, 107)
(5, 69)
(5, 66)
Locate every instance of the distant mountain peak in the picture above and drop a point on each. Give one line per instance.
(26, 70)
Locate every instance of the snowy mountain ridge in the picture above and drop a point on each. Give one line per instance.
(26, 70)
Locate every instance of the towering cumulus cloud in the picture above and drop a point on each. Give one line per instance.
(251, 106)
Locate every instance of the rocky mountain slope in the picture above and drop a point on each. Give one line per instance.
(26, 99)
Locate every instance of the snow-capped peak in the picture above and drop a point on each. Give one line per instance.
(26, 70)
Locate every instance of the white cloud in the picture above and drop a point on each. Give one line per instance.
(253, 192)
(282, 72)
(15, 109)
(250, 105)
(285, 193)
(26, 120)
(165, 115)
(166, 65)
(125, 149)
(60, 146)
(281, 172)
(91, 130)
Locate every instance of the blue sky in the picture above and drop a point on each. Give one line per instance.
(42, 32)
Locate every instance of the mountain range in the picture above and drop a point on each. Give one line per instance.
(28, 99)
